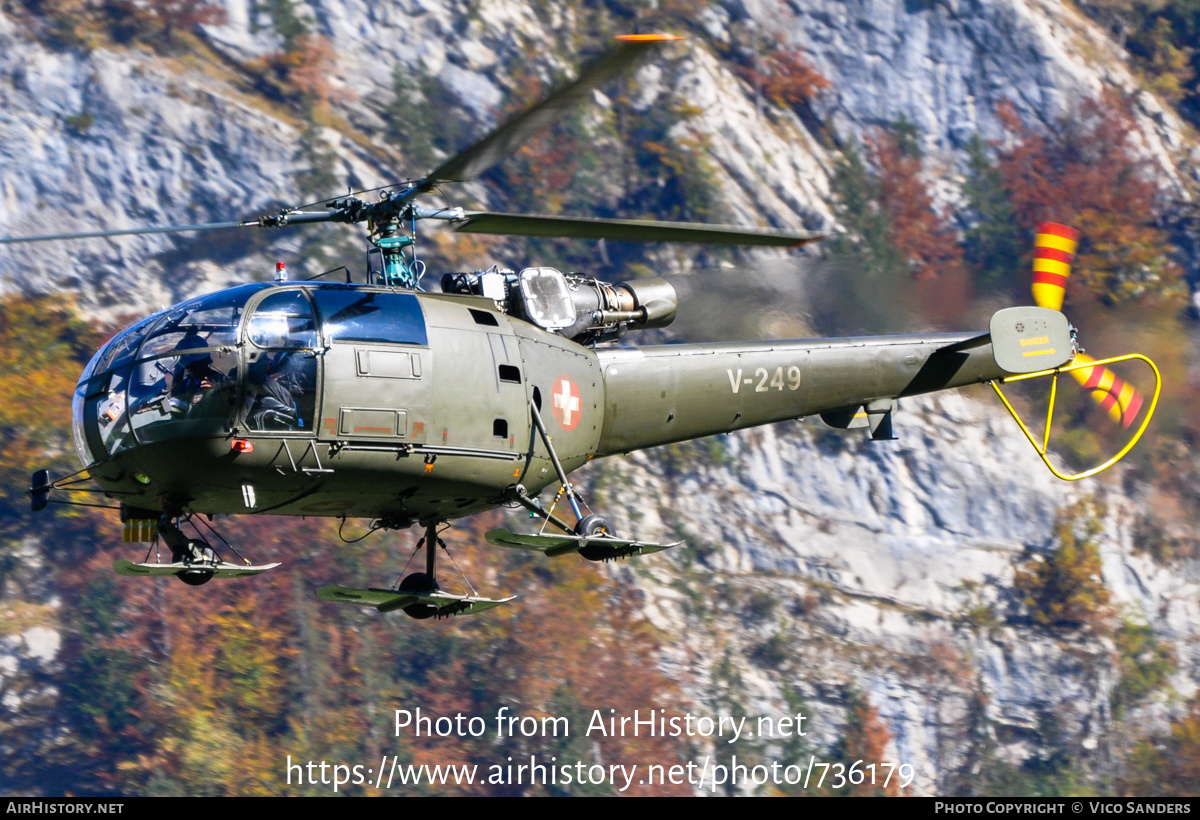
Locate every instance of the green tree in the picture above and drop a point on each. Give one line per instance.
(993, 243)
(316, 178)
(1145, 664)
(1064, 588)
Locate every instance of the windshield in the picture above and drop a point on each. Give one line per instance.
(173, 371)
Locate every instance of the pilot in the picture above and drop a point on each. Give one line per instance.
(273, 384)
(194, 376)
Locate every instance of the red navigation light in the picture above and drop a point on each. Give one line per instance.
(240, 445)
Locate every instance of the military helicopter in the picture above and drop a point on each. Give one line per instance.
(378, 400)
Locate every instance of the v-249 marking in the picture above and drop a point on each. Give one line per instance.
(762, 374)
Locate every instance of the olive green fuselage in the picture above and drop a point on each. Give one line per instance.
(420, 432)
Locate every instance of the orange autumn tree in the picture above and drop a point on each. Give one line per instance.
(786, 77)
(865, 744)
(299, 73)
(1089, 171)
(923, 237)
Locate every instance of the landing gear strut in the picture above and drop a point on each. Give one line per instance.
(423, 582)
(193, 553)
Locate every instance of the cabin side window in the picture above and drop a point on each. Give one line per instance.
(352, 315)
(284, 321)
(281, 371)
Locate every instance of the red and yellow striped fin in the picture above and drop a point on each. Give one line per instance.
(1054, 250)
(1116, 396)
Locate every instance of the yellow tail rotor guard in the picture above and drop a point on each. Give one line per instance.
(1042, 448)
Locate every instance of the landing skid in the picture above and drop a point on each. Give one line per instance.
(444, 604)
(218, 569)
(193, 561)
(602, 548)
(418, 595)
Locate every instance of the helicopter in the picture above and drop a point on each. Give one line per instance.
(376, 399)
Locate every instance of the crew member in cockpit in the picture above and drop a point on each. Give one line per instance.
(194, 377)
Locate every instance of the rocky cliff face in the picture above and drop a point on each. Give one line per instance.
(824, 561)
(816, 562)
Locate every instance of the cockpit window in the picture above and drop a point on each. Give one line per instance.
(185, 372)
(120, 350)
(285, 321)
(364, 316)
(192, 325)
(281, 379)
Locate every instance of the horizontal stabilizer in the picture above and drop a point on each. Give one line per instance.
(552, 545)
(220, 569)
(389, 600)
(850, 418)
(877, 415)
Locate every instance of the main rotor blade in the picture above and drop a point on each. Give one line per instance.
(497, 145)
(206, 226)
(629, 230)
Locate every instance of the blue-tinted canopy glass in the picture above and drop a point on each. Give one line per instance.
(350, 314)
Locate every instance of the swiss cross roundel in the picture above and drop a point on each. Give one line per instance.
(567, 402)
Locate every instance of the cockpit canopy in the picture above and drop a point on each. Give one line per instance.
(243, 358)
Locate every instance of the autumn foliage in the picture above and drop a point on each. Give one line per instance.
(208, 691)
(1065, 587)
(176, 15)
(866, 739)
(787, 78)
(1168, 764)
(1089, 172)
(542, 172)
(300, 72)
(922, 235)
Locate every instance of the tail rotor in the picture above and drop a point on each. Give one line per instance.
(1054, 252)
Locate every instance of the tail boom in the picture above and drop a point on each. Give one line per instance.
(666, 393)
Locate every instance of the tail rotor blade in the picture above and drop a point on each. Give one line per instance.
(1054, 250)
(1117, 397)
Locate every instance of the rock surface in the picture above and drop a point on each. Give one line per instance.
(816, 560)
